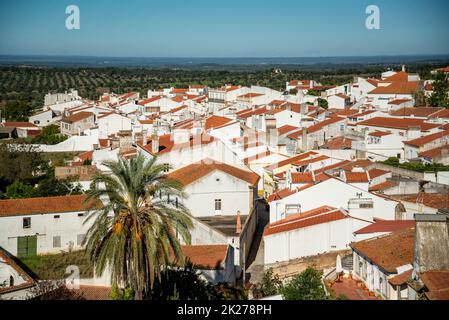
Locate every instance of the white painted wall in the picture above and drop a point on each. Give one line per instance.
(45, 226)
(310, 241)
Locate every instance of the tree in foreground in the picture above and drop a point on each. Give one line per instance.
(440, 97)
(135, 235)
(305, 286)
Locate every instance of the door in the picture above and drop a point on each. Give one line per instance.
(26, 246)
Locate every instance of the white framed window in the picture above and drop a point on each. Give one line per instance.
(26, 223)
(56, 241)
(80, 239)
(217, 204)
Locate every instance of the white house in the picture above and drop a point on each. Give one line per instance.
(377, 261)
(310, 233)
(338, 194)
(111, 123)
(15, 283)
(217, 189)
(43, 225)
(339, 101)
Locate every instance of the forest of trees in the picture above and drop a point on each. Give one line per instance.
(22, 89)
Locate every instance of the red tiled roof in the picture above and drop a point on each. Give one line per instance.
(398, 76)
(284, 193)
(292, 160)
(174, 110)
(93, 293)
(317, 127)
(250, 95)
(396, 123)
(166, 143)
(434, 153)
(379, 134)
(206, 257)
(257, 156)
(432, 200)
(399, 101)
(338, 143)
(386, 226)
(388, 252)
(307, 219)
(31, 206)
(17, 124)
(437, 284)
(401, 278)
(216, 121)
(286, 129)
(149, 100)
(416, 111)
(343, 96)
(419, 142)
(88, 155)
(356, 177)
(374, 173)
(196, 171)
(383, 186)
(397, 88)
(333, 166)
(77, 117)
(303, 177)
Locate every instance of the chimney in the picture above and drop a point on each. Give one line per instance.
(154, 143)
(238, 227)
(181, 136)
(304, 140)
(288, 179)
(431, 242)
(144, 137)
(403, 68)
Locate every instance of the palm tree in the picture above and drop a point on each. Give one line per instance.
(135, 234)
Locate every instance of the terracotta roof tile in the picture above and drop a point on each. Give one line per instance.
(357, 177)
(417, 112)
(419, 142)
(386, 226)
(16, 124)
(432, 200)
(193, 172)
(401, 278)
(77, 117)
(383, 186)
(216, 121)
(389, 252)
(206, 257)
(338, 143)
(434, 153)
(396, 123)
(30, 206)
(299, 221)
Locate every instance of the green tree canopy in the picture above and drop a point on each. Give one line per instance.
(136, 234)
(439, 97)
(305, 286)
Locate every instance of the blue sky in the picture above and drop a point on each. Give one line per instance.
(232, 28)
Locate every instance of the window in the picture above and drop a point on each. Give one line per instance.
(57, 242)
(57, 216)
(80, 214)
(26, 223)
(217, 204)
(366, 205)
(80, 239)
(166, 167)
